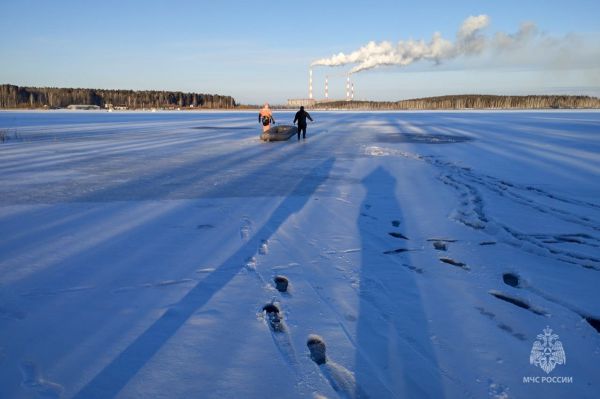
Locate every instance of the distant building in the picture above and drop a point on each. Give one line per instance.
(329, 100)
(83, 107)
(112, 107)
(296, 102)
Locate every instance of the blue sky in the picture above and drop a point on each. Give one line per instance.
(260, 51)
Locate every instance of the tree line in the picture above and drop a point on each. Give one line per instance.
(12, 96)
(471, 101)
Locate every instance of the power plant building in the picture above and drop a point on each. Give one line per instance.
(297, 102)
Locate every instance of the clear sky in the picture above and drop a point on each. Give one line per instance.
(260, 50)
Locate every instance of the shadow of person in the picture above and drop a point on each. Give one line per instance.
(394, 354)
(115, 376)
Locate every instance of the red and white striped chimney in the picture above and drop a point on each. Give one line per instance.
(348, 88)
(310, 83)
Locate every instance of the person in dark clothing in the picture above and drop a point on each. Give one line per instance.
(301, 118)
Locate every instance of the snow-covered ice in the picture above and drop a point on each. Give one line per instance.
(428, 250)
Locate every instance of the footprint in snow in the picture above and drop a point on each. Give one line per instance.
(341, 379)
(32, 380)
(413, 268)
(281, 283)
(398, 235)
(280, 334)
(250, 264)
(508, 329)
(486, 313)
(511, 279)
(440, 246)
(368, 216)
(445, 240)
(453, 262)
(500, 325)
(517, 302)
(264, 247)
(245, 228)
(317, 348)
(274, 318)
(396, 223)
(397, 251)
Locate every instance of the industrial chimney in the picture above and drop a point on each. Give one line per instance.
(310, 84)
(326, 87)
(348, 88)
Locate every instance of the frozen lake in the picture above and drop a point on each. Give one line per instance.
(427, 249)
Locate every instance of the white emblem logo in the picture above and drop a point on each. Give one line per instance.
(547, 351)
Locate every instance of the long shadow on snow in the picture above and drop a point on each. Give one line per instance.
(282, 185)
(196, 178)
(117, 374)
(392, 330)
(189, 180)
(103, 159)
(165, 181)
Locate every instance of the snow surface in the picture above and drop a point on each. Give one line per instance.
(137, 252)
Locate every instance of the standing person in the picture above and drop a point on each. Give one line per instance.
(265, 116)
(301, 118)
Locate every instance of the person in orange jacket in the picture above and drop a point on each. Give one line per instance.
(265, 116)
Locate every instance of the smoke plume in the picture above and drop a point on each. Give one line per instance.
(523, 46)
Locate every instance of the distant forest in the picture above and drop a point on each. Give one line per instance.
(41, 97)
(471, 101)
(12, 96)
